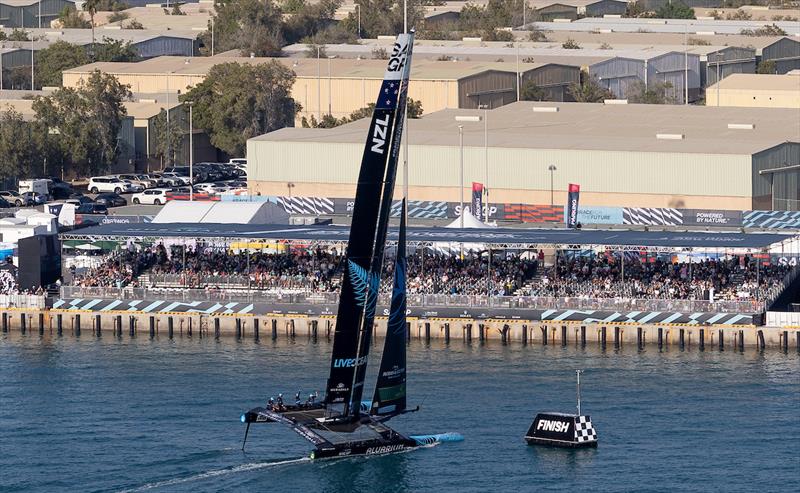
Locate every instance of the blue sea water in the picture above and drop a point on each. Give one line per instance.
(140, 415)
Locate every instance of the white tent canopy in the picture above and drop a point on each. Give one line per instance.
(180, 211)
(470, 222)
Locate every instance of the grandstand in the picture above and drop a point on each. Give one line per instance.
(513, 268)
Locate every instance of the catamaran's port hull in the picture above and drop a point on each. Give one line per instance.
(364, 449)
(560, 443)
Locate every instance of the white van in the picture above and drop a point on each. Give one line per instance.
(40, 186)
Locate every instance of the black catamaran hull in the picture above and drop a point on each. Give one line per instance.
(378, 447)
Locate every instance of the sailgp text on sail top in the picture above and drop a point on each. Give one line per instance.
(380, 130)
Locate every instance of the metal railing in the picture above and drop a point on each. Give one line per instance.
(28, 301)
(299, 297)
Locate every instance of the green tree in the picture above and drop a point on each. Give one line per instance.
(114, 50)
(118, 17)
(531, 92)
(383, 17)
(674, 10)
(588, 90)
(570, 44)
(53, 60)
(251, 26)
(133, 24)
(236, 102)
(83, 123)
(92, 7)
(167, 143)
(766, 30)
(71, 19)
(19, 148)
(414, 108)
(659, 93)
(766, 67)
(309, 20)
(18, 35)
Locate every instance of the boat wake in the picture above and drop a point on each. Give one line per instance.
(214, 473)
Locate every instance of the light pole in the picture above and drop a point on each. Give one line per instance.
(552, 168)
(466, 118)
(319, 86)
(330, 94)
(461, 174)
(169, 141)
(486, 159)
(33, 87)
(358, 6)
(191, 152)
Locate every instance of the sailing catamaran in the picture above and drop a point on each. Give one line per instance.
(343, 425)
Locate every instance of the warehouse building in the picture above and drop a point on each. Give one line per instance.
(651, 67)
(756, 91)
(147, 43)
(621, 155)
(572, 9)
(784, 53)
(679, 26)
(11, 60)
(31, 13)
(342, 86)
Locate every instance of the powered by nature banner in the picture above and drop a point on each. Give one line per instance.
(572, 205)
(477, 201)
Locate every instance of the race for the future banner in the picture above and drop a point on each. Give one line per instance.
(572, 205)
(477, 201)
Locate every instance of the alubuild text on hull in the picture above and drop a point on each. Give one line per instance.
(341, 425)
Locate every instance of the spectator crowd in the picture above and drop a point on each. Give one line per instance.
(320, 270)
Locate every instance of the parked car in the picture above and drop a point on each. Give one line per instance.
(91, 208)
(174, 179)
(99, 184)
(35, 198)
(4, 203)
(80, 200)
(158, 179)
(137, 180)
(136, 187)
(110, 200)
(238, 161)
(154, 196)
(15, 198)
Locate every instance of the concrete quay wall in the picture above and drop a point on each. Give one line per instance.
(273, 326)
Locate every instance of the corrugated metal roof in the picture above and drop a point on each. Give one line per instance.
(761, 82)
(306, 67)
(664, 25)
(586, 126)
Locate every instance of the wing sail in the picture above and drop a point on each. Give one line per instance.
(390, 390)
(365, 247)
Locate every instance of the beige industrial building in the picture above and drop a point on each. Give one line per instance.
(621, 155)
(757, 91)
(340, 87)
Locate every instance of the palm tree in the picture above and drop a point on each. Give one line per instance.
(91, 6)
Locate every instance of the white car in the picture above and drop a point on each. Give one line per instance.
(135, 186)
(99, 184)
(138, 180)
(152, 196)
(175, 179)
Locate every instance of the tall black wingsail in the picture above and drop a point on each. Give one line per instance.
(364, 256)
(390, 390)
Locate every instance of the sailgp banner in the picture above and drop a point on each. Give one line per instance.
(702, 217)
(572, 205)
(477, 201)
(599, 215)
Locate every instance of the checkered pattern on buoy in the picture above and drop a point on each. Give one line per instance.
(584, 431)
